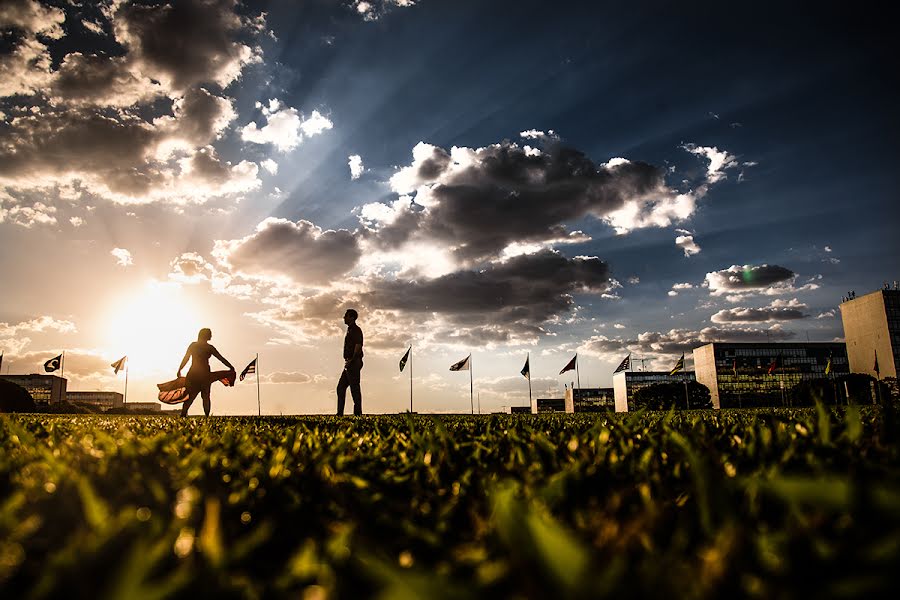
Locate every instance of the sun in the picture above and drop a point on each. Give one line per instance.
(153, 326)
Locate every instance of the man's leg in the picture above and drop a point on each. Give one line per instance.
(355, 390)
(342, 392)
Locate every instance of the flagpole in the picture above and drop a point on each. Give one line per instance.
(125, 397)
(258, 404)
(471, 385)
(577, 374)
(410, 380)
(529, 380)
(64, 365)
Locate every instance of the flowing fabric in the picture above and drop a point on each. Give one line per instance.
(175, 391)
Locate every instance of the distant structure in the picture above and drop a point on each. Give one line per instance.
(760, 374)
(519, 410)
(626, 383)
(151, 406)
(872, 327)
(46, 389)
(591, 399)
(549, 405)
(101, 400)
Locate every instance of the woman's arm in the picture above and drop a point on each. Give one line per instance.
(222, 358)
(184, 360)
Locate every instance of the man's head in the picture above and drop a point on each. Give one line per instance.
(350, 316)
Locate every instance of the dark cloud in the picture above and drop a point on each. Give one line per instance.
(101, 80)
(302, 251)
(184, 43)
(738, 278)
(477, 202)
(777, 311)
(528, 289)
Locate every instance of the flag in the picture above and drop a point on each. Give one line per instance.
(570, 365)
(119, 364)
(526, 370)
(404, 359)
(877, 371)
(1, 362)
(462, 365)
(53, 364)
(773, 366)
(249, 369)
(175, 391)
(679, 366)
(624, 365)
(828, 366)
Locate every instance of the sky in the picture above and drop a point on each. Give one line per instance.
(502, 179)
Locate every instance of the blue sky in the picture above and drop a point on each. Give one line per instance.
(149, 172)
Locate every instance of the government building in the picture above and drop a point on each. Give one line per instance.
(872, 328)
(101, 400)
(763, 374)
(46, 389)
(626, 383)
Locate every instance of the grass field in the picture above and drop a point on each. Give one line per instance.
(767, 504)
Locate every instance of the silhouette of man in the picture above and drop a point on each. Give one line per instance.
(353, 364)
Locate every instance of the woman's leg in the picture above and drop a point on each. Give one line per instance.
(207, 405)
(187, 403)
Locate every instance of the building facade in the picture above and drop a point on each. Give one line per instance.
(550, 405)
(872, 327)
(102, 400)
(151, 406)
(46, 389)
(763, 374)
(626, 383)
(593, 400)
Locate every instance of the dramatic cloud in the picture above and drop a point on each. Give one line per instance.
(284, 126)
(686, 242)
(779, 310)
(122, 256)
(476, 202)
(748, 278)
(131, 125)
(356, 166)
(519, 294)
(655, 344)
(302, 251)
(37, 325)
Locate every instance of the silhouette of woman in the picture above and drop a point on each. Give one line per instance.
(199, 378)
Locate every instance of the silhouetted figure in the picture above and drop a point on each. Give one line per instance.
(199, 377)
(353, 364)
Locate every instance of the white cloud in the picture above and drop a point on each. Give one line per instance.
(270, 165)
(123, 257)
(76, 221)
(687, 244)
(719, 161)
(356, 166)
(284, 126)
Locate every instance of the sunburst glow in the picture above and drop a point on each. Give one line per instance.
(153, 327)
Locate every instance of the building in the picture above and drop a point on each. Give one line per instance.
(151, 406)
(520, 410)
(101, 400)
(47, 389)
(593, 400)
(763, 374)
(872, 325)
(626, 383)
(550, 405)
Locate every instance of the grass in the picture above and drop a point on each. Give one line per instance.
(695, 504)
